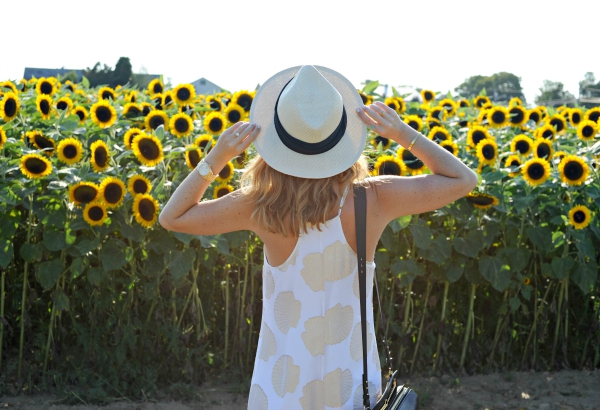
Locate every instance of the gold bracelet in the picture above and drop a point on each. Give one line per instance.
(413, 142)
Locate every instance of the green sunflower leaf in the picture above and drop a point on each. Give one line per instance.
(182, 263)
(112, 256)
(562, 266)
(31, 252)
(49, 272)
(541, 237)
(495, 271)
(585, 275)
(370, 87)
(60, 299)
(6, 252)
(421, 235)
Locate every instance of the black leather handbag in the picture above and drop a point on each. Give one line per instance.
(394, 397)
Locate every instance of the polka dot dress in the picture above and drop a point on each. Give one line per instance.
(309, 353)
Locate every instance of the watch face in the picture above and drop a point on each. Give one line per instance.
(204, 169)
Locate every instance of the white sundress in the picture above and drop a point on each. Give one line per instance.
(309, 353)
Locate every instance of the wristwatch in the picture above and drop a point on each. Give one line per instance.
(205, 171)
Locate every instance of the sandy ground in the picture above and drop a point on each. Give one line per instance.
(563, 390)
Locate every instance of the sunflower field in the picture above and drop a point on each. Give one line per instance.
(98, 300)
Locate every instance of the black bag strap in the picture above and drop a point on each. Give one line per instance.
(360, 219)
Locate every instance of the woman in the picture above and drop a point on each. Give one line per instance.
(308, 125)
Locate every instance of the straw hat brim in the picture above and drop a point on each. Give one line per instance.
(338, 159)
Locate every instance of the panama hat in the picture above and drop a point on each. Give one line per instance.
(309, 124)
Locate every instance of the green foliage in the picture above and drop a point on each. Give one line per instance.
(98, 75)
(553, 90)
(500, 86)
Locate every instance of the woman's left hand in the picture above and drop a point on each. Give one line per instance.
(232, 142)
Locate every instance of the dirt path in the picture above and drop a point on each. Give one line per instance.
(565, 390)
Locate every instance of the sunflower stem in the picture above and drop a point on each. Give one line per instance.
(414, 358)
(558, 317)
(405, 322)
(24, 293)
(468, 328)
(502, 320)
(442, 323)
(2, 314)
(226, 316)
(538, 308)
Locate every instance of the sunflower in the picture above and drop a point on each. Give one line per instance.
(234, 113)
(536, 171)
(10, 86)
(396, 104)
(103, 114)
(450, 146)
(94, 213)
(205, 142)
(138, 184)
(146, 108)
(593, 114)
(414, 121)
(389, 165)
(366, 99)
(155, 119)
(221, 190)
(463, 103)
(439, 134)
(41, 142)
(244, 99)
(35, 166)
(158, 101)
(129, 135)
(542, 148)
(155, 87)
(580, 216)
(573, 170)
(181, 125)
(214, 123)
(438, 113)
(131, 97)
(167, 99)
(64, 104)
(214, 103)
(497, 116)
(43, 103)
(132, 110)
(575, 116)
(487, 151)
(83, 192)
(45, 86)
(476, 134)
(482, 201)
(413, 164)
(70, 151)
(521, 144)
(526, 281)
(226, 174)
(147, 149)
(385, 142)
(517, 115)
(515, 101)
(187, 109)
(480, 100)
(535, 115)
(2, 137)
(9, 106)
(427, 96)
(100, 156)
(105, 93)
(240, 160)
(112, 192)
(145, 209)
(513, 162)
(449, 104)
(587, 130)
(184, 94)
(23, 85)
(559, 155)
(546, 131)
(193, 154)
(558, 122)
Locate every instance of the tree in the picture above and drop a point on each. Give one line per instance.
(551, 91)
(501, 86)
(589, 81)
(105, 75)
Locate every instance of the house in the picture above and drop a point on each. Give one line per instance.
(203, 86)
(31, 72)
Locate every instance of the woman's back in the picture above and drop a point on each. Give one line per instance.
(309, 352)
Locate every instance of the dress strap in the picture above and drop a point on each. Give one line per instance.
(343, 199)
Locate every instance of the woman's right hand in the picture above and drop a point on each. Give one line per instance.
(389, 125)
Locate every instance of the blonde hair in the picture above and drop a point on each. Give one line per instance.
(285, 204)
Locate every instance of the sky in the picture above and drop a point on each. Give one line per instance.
(432, 44)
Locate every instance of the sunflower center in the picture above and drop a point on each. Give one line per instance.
(428, 96)
(146, 209)
(234, 116)
(481, 200)
(10, 107)
(69, 87)
(594, 116)
(411, 161)
(131, 137)
(35, 165)
(157, 88)
(183, 94)
(182, 125)
(107, 95)
(113, 193)
(168, 100)
(536, 171)
(543, 151)
(194, 157)
(534, 116)
(558, 124)
(488, 151)
(133, 112)
(148, 148)
(384, 141)
(436, 113)
(389, 168)
(215, 125)
(146, 110)
(85, 193)
(240, 159)
(43, 142)
(547, 134)
(573, 170)
(101, 156)
(576, 118)
(70, 151)
(439, 137)
(222, 192)
(158, 103)
(579, 216)
(140, 186)
(46, 88)
(62, 105)
(225, 172)
(156, 121)
(464, 104)
(80, 114)
(103, 114)
(449, 148)
(522, 147)
(45, 107)
(413, 124)
(518, 117)
(514, 163)
(448, 107)
(478, 136)
(498, 117)
(363, 98)
(95, 213)
(215, 105)
(587, 131)
(245, 101)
